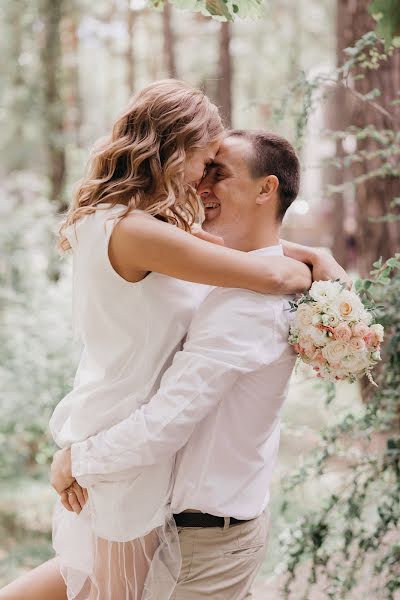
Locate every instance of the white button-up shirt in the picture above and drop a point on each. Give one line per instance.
(218, 407)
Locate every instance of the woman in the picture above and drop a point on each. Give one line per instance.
(129, 229)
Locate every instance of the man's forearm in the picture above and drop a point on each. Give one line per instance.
(231, 334)
(157, 430)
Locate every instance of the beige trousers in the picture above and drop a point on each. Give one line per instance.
(221, 564)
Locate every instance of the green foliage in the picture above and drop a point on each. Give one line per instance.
(223, 10)
(354, 533)
(385, 155)
(385, 12)
(387, 15)
(358, 522)
(36, 353)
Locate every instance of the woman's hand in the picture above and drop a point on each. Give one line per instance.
(322, 263)
(61, 470)
(208, 237)
(325, 267)
(74, 498)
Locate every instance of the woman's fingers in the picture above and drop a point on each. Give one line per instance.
(85, 494)
(74, 498)
(65, 502)
(76, 488)
(73, 501)
(208, 237)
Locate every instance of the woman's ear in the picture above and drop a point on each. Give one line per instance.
(268, 188)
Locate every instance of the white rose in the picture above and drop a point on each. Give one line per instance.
(335, 351)
(318, 337)
(325, 291)
(304, 315)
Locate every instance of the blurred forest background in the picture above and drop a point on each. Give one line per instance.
(315, 71)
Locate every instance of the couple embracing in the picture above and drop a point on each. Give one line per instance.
(170, 434)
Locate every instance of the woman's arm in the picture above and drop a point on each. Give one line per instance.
(322, 263)
(140, 244)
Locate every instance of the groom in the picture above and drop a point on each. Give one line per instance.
(224, 392)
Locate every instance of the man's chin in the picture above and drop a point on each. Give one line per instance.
(210, 226)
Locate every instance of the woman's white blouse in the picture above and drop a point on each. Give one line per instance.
(130, 333)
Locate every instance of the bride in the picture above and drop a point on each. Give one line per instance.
(135, 261)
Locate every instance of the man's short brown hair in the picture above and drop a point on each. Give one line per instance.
(273, 155)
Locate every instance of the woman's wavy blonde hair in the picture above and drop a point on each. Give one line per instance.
(141, 164)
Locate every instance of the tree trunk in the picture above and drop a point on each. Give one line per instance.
(53, 106)
(129, 55)
(372, 197)
(16, 102)
(169, 41)
(70, 52)
(224, 90)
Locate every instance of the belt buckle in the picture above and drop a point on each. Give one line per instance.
(227, 522)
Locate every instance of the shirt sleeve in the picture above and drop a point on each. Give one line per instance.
(231, 334)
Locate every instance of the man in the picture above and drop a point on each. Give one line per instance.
(219, 404)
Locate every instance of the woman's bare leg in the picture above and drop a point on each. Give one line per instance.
(43, 583)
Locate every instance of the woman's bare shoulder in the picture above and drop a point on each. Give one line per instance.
(140, 223)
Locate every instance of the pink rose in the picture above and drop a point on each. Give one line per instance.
(318, 357)
(360, 330)
(357, 344)
(342, 332)
(372, 340)
(309, 349)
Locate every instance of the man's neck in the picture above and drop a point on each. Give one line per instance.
(248, 243)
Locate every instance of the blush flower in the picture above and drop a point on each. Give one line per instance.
(360, 330)
(342, 332)
(378, 331)
(357, 344)
(349, 305)
(304, 315)
(335, 351)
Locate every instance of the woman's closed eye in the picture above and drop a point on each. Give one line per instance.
(219, 174)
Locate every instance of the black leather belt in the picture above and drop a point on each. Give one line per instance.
(192, 519)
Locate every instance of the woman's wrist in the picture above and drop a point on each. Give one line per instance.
(305, 254)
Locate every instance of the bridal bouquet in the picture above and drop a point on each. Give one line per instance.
(333, 332)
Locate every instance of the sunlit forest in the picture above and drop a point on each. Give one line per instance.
(323, 73)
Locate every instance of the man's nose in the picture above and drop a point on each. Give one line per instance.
(204, 188)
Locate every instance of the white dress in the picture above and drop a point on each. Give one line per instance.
(130, 332)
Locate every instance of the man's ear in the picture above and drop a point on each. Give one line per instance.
(268, 188)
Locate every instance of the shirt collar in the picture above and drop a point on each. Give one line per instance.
(277, 250)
